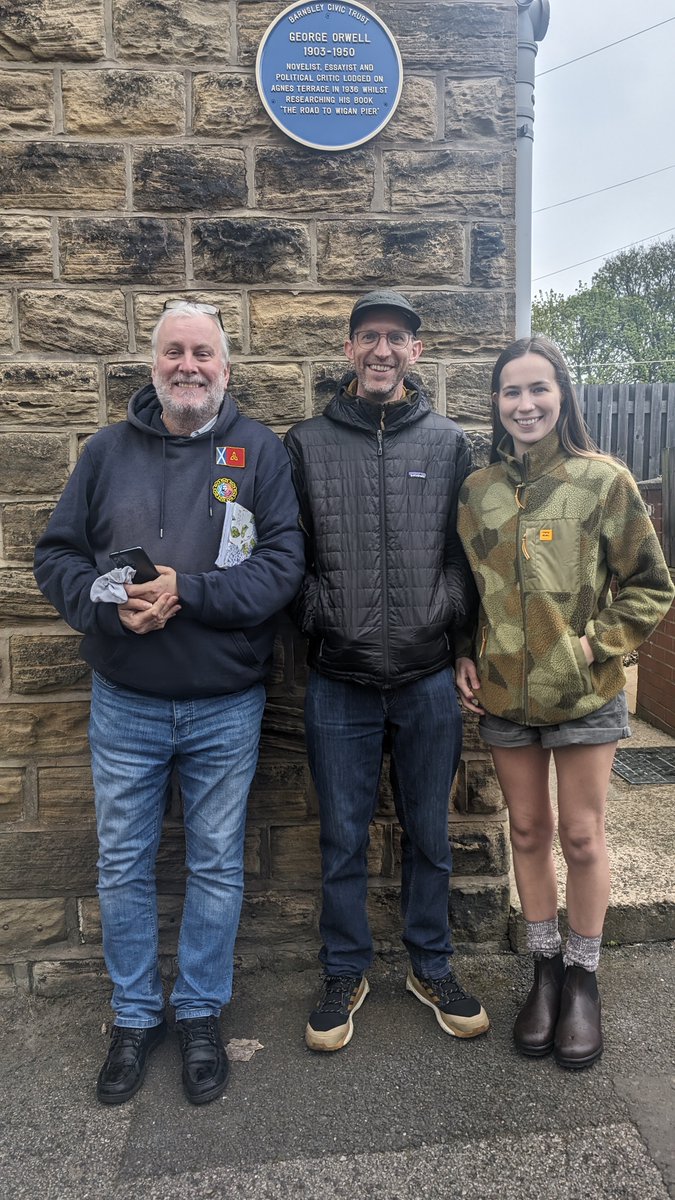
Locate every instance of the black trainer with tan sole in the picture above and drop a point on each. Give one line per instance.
(456, 1012)
(331, 1025)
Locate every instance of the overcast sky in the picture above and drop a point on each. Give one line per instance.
(600, 121)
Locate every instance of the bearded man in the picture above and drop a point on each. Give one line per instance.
(178, 667)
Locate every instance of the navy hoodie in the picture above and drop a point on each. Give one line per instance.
(138, 485)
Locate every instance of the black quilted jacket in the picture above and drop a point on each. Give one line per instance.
(387, 578)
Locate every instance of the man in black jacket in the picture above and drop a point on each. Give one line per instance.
(178, 667)
(377, 476)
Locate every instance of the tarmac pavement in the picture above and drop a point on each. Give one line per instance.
(405, 1112)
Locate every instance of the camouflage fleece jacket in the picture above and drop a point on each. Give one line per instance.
(544, 538)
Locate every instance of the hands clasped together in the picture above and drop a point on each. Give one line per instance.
(150, 605)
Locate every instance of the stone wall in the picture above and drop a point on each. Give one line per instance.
(138, 163)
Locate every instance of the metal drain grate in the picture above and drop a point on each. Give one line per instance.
(646, 766)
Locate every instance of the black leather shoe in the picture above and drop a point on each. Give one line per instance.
(536, 1022)
(578, 1036)
(124, 1069)
(205, 1065)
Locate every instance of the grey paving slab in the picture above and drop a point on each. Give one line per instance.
(403, 1107)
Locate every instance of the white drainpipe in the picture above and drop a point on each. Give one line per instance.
(533, 18)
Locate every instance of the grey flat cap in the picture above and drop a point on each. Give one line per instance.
(384, 298)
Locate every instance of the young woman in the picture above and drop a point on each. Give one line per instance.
(547, 527)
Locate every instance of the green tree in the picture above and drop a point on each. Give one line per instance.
(620, 328)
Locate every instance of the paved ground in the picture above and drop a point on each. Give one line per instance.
(404, 1113)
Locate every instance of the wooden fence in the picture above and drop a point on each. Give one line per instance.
(633, 421)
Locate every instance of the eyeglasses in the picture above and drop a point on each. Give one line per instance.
(370, 338)
(209, 309)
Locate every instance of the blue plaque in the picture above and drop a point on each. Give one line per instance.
(329, 74)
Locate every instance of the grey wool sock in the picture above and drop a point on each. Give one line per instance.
(582, 951)
(542, 937)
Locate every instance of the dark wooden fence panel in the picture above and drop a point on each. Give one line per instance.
(633, 421)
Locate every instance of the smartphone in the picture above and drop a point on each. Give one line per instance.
(135, 556)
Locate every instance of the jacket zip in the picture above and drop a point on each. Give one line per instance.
(523, 554)
(383, 549)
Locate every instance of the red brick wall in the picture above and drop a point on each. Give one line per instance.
(656, 669)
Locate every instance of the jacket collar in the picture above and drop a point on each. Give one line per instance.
(543, 458)
(350, 409)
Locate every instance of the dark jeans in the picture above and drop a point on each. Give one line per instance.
(346, 726)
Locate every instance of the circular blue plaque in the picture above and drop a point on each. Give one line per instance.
(329, 74)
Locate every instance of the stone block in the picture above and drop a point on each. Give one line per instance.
(122, 249)
(304, 324)
(479, 109)
(41, 663)
(274, 917)
(6, 321)
(253, 18)
(27, 924)
(327, 375)
(121, 381)
(25, 248)
(375, 252)
(296, 179)
(294, 852)
(66, 796)
(22, 525)
(250, 250)
(463, 322)
(26, 102)
(472, 39)
(20, 596)
(77, 321)
(477, 788)
(48, 393)
(11, 796)
(184, 31)
(33, 463)
(468, 390)
(279, 788)
(416, 118)
(8, 985)
(148, 310)
(479, 910)
(122, 103)
(227, 106)
(481, 444)
(493, 256)
(61, 175)
(463, 183)
(64, 979)
(45, 30)
(49, 729)
(479, 848)
(55, 860)
(273, 393)
(188, 178)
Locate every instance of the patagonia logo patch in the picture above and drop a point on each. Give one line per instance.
(417, 474)
(545, 535)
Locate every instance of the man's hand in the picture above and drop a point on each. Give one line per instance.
(140, 616)
(165, 584)
(468, 683)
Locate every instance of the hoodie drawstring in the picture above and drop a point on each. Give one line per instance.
(209, 488)
(161, 501)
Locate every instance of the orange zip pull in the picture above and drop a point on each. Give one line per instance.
(483, 644)
(523, 546)
(518, 500)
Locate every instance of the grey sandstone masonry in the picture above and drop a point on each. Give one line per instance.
(139, 165)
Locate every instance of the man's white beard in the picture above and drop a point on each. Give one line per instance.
(191, 415)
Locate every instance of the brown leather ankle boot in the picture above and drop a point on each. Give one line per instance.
(535, 1024)
(578, 1036)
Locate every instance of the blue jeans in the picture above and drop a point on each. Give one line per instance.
(135, 741)
(346, 726)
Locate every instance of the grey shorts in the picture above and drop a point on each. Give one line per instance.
(606, 724)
